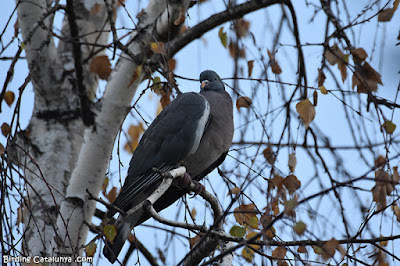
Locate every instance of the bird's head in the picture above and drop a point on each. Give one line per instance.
(210, 81)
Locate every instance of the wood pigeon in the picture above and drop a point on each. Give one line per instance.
(195, 130)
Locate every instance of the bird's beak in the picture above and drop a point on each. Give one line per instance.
(204, 83)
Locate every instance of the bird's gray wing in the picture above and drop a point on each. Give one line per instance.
(172, 137)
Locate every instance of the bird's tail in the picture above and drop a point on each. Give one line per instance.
(124, 227)
(111, 251)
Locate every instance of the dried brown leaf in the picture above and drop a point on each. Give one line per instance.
(386, 15)
(382, 188)
(359, 55)
(279, 253)
(275, 67)
(380, 161)
(268, 233)
(181, 18)
(315, 98)
(193, 213)
(165, 100)
(16, 27)
(244, 102)
(101, 66)
(250, 65)
(343, 70)
(396, 5)
(366, 79)
(292, 162)
(321, 77)
(302, 249)
(242, 27)
(395, 176)
(171, 64)
(233, 191)
(194, 241)
(333, 54)
(292, 183)
(269, 155)
(112, 195)
(306, 111)
(9, 97)
(277, 182)
(396, 211)
(96, 9)
(329, 249)
(5, 129)
(158, 48)
(246, 215)
(235, 51)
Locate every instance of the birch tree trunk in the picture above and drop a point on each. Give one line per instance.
(62, 135)
(56, 127)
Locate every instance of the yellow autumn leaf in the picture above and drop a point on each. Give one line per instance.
(90, 249)
(248, 254)
(246, 215)
(306, 111)
(110, 232)
(158, 48)
(323, 90)
(223, 37)
(389, 127)
(237, 231)
(136, 74)
(156, 86)
(300, 228)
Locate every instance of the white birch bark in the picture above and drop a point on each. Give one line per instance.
(92, 162)
(55, 129)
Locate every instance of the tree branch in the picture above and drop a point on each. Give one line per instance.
(214, 21)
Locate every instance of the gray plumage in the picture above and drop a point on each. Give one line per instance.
(194, 130)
